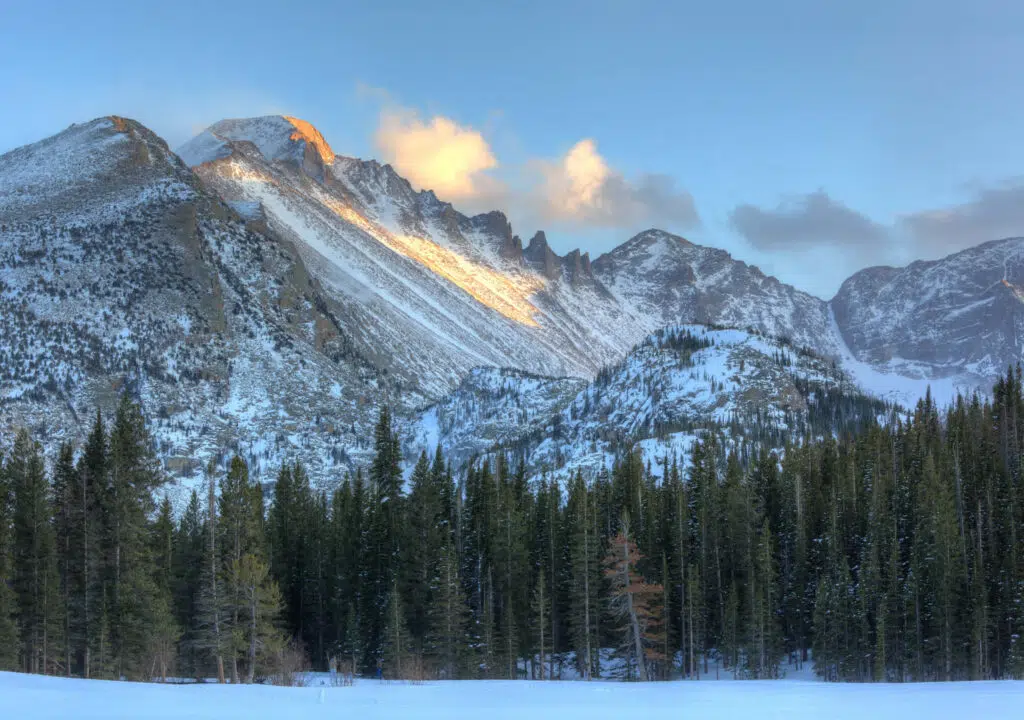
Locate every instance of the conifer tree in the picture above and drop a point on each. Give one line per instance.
(187, 585)
(258, 607)
(8, 623)
(540, 610)
(138, 610)
(210, 621)
(397, 647)
(586, 577)
(65, 484)
(35, 578)
(428, 534)
(240, 525)
(633, 601)
(89, 632)
(447, 641)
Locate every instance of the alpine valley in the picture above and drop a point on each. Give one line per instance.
(262, 295)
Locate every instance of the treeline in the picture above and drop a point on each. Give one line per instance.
(891, 554)
(96, 581)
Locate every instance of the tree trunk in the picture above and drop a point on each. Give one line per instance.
(212, 514)
(586, 584)
(252, 634)
(85, 575)
(634, 622)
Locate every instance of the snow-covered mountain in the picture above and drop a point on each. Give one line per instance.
(427, 292)
(676, 383)
(667, 280)
(435, 293)
(262, 293)
(960, 317)
(117, 266)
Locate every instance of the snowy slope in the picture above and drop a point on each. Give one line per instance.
(958, 321)
(672, 387)
(125, 272)
(425, 290)
(670, 281)
(42, 698)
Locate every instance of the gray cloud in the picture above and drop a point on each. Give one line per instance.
(992, 214)
(809, 220)
(657, 198)
(648, 199)
(580, 190)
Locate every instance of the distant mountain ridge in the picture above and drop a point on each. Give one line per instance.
(262, 293)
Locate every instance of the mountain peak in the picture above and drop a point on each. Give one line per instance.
(107, 153)
(305, 132)
(277, 137)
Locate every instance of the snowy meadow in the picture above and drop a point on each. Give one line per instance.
(40, 698)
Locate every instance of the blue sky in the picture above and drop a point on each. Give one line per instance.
(809, 138)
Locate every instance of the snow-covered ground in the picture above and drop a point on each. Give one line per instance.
(36, 697)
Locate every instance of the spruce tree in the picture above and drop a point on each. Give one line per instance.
(65, 524)
(397, 652)
(187, 584)
(138, 609)
(447, 641)
(34, 578)
(586, 577)
(89, 634)
(240, 525)
(257, 608)
(8, 624)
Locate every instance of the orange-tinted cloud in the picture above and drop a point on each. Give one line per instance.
(438, 154)
(576, 191)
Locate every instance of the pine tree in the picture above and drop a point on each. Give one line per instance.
(210, 626)
(164, 632)
(240, 525)
(540, 610)
(65, 484)
(765, 645)
(258, 605)
(633, 601)
(35, 577)
(586, 578)
(385, 536)
(428, 529)
(187, 584)
(89, 632)
(397, 650)
(8, 624)
(447, 641)
(139, 611)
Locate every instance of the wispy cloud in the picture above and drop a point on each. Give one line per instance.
(809, 220)
(992, 213)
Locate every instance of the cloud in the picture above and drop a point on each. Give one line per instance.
(577, 191)
(581, 190)
(992, 214)
(437, 154)
(810, 220)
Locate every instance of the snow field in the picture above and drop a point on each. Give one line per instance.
(39, 698)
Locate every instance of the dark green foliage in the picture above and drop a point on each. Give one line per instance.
(890, 552)
(8, 622)
(34, 573)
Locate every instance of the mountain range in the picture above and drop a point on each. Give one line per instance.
(261, 294)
